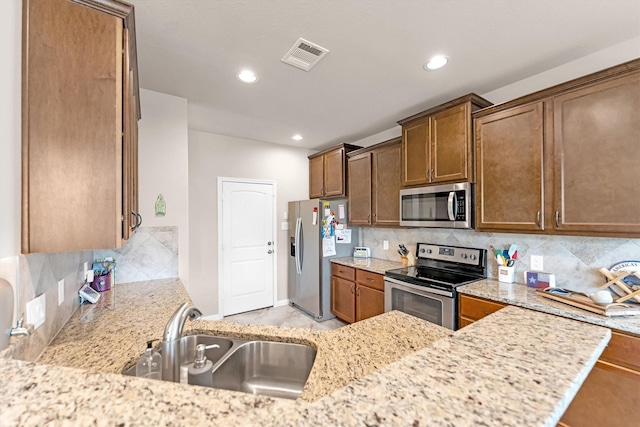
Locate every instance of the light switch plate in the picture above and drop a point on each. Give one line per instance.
(385, 245)
(284, 225)
(36, 311)
(60, 291)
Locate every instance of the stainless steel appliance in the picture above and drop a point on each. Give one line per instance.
(444, 206)
(309, 270)
(428, 289)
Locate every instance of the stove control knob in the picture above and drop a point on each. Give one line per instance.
(421, 250)
(473, 257)
(464, 256)
(429, 251)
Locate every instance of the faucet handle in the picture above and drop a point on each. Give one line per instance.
(19, 324)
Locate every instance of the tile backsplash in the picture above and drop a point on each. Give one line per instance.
(37, 274)
(151, 253)
(574, 260)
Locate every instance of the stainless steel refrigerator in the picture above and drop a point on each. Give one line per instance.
(309, 270)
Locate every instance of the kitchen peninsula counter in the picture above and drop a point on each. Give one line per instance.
(516, 367)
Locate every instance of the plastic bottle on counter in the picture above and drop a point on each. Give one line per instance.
(200, 370)
(150, 363)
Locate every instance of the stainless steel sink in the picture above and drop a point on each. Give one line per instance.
(267, 368)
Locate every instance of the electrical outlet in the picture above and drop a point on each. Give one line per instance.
(36, 311)
(60, 291)
(385, 245)
(536, 263)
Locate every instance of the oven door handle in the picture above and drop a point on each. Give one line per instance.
(452, 206)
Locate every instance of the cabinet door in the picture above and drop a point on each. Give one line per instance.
(316, 177)
(369, 302)
(385, 185)
(359, 179)
(597, 152)
(509, 169)
(343, 299)
(451, 144)
(72, 128)
(415, 153)
(608, 397)
(334, 165)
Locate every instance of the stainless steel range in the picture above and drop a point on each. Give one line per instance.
(428, 289)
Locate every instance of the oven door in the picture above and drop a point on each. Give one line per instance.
(433, 305)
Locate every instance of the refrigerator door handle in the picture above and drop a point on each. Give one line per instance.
(298, 247)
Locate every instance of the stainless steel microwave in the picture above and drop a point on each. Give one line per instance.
(443, 206)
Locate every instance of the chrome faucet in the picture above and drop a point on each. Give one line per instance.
(171, 340)
(19, 330)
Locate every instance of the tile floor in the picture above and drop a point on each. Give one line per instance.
(284, 316)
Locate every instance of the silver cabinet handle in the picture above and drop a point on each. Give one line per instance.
(268, 243)
(432, 176)
(557, 219)
(428, 175)
(269, 251)
(538, 219)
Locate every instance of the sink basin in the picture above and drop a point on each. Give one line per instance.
(188, 349)
(267, 368)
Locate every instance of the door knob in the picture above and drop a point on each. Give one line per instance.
(269, 243)
(269, 251)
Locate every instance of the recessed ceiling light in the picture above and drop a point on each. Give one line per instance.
(436, 62)
(297, 137)
(247, 76)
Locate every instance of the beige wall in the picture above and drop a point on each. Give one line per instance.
(10, 94)
(212, 156)
(163, 167)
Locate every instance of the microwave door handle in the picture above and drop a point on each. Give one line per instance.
(298, 246)
(452, 206)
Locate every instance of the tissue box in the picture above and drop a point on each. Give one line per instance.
(540, 280)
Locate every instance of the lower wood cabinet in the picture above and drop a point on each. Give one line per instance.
(356, 294)
(612, 387)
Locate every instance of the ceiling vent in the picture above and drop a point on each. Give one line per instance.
(304, 54)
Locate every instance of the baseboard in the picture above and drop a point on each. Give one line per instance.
(212, 317)
(281, 303)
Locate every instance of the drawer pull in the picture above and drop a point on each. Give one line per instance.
(370, 279)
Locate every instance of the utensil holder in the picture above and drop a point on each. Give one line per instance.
(506, 274)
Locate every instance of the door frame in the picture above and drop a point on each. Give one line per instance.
(274, 184)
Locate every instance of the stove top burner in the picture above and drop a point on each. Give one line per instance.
(438, 267)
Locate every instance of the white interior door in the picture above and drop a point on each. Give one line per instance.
(248, 247)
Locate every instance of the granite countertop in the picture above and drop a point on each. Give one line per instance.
(516, 367)
(375, 265)
(524, 296)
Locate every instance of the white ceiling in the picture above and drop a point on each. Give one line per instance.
(373, 75)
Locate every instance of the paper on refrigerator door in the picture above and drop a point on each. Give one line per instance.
(343, 236)
(328, 246)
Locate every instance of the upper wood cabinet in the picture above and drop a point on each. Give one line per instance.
(437, 143)
(374, 184)
(80, 108)
(328, 172)
(509, 169)
(562, 161)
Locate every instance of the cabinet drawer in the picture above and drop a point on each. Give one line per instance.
(623, 350)
(369, 279)
(343, 271)
(476, 309)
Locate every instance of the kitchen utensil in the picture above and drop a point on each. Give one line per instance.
(512, 250)
(505, 254)
(511, 262)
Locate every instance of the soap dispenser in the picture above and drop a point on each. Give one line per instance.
(150, 363)
(200, 369)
